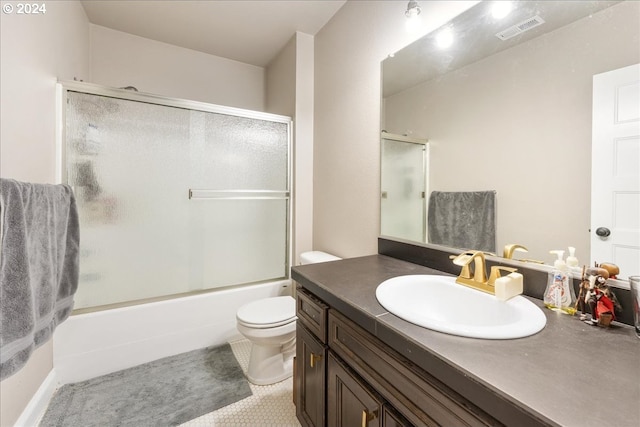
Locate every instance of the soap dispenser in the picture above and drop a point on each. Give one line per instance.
(573, 263)
(559, 295)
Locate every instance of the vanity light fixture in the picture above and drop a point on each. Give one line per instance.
(501, 8)
(412, 13)
(413, 9)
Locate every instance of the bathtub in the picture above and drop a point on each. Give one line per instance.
(93, 344)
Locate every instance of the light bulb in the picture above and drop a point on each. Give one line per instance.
(444, 39)
(500, 9)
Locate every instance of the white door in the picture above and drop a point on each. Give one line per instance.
(615, 170)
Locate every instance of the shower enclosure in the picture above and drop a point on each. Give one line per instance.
(404, 163)
(175, 197)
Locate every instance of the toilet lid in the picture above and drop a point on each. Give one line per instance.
(268, 312)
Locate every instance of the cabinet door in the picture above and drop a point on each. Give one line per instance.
(310, 378)
(420, 397)
(350, 403)
(391, 418)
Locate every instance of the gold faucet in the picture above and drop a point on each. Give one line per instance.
(511, 248)
(479, 279)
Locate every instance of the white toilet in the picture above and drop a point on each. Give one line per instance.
(270, 325)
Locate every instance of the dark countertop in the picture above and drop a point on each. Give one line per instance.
(569, 374)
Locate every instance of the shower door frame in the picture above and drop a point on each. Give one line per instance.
(63, 87)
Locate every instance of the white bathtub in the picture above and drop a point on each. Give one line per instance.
(93, 344)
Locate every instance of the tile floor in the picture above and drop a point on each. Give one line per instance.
(269, 406)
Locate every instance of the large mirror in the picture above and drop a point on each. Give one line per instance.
(507, 109)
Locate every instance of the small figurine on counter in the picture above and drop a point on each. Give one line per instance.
(612, 269)
(591, 298)
(584, 288)
(596, 270)
(608, 292)
(600, 299)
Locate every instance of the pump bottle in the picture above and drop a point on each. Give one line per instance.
(559, 295)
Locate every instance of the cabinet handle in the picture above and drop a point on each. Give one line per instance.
(368, 416)
(313, 358)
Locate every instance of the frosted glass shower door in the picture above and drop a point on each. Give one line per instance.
(246, 191)
(174, 200)
(403, 184)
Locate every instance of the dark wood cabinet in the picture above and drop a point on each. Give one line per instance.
(349, 401)
(418, 396)
(310, 378)
(391, 418)
(312, 313)
(346, 377)
(311, 360)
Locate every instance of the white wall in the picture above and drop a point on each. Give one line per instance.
(290, 92)
(303, 150)
(348, 52)
(35, 51)
(280, 78)
(120, 59)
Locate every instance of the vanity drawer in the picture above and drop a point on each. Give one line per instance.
(422, 399)
(312, 313)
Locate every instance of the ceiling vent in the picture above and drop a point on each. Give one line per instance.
(520, 28)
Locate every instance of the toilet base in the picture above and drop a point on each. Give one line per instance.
(270, 364)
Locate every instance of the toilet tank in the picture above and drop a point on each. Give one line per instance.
(313, 257)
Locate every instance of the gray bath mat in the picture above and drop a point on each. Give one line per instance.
(164, 392)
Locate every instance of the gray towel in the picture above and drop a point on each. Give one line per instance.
(463, 219)
(39, 254)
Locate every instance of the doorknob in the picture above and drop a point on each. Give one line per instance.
(603, 232)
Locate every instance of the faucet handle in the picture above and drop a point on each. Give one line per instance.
(495, 273)
(511, 248)
(463, 260)
(460, 259)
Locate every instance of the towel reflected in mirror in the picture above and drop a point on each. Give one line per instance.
(463, 219)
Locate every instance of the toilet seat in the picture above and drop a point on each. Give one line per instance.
(267, 313)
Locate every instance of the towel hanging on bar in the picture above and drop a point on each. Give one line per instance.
(39, 257)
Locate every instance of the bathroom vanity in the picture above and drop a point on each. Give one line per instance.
(358, 365)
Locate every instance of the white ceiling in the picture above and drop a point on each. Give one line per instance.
(475, 32)
(252, 32)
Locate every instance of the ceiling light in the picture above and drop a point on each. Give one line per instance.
(500, 9)
(412, 9)
(444, 39)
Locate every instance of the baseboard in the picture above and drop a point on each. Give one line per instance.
(39, 402)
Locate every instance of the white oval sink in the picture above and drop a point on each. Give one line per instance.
(439, 303)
